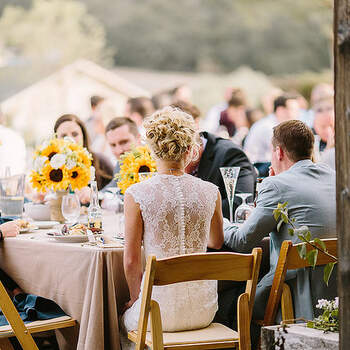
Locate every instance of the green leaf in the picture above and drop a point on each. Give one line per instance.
(301, 237)
(311, 256)
(279, 225)
(302, 250)
(276, 214)
(279, 206)
(308, 236)
(321, 244)
(284, 205)
(328, 271)
(291, 231)
(293, 220)
(284, 218)
(310, 324)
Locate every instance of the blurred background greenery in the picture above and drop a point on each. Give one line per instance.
(254, 43)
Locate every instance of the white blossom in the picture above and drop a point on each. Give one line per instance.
(39, 163)
(70, 163)
(69, 139)
(58, 160)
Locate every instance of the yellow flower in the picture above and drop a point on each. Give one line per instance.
(84, 157)
(56, 179)
(79, 177)
(136, 161)
(38, 182)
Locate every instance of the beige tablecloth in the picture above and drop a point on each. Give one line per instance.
(87, 282)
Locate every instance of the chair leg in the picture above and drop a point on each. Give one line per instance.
(5, 344)
(156, 327)
(243, 319)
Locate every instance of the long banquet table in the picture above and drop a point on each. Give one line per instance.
(87, 282)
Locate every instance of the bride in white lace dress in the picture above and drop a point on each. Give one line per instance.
(173, 213)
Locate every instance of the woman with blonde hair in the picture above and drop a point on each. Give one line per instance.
(173, 213)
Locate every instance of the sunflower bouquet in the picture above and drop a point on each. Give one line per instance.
(60, 164)
(138, 160)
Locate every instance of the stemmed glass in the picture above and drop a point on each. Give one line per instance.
(230, 176)
(244, 210)
(71, 208)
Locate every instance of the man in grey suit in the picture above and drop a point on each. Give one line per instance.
(309, 189)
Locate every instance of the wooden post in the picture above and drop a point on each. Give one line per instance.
(342, 128)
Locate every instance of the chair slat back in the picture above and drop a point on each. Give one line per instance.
(294, 261)
(193, 267)
(211, 266)
(289, 259)
(15, 321)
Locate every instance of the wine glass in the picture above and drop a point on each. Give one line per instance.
(230, 176)
(146, 175)
(70, 208)
(244, 210)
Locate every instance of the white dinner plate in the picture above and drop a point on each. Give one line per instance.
(28, 229)
(45, 224)
(69, 238)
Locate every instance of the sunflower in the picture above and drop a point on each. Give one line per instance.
(53, 148)
(137, 161)
(38, 182)
(84, 157)
(57, 179)
(79, 177)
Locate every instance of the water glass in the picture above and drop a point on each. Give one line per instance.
(12, 195)
(244, 210)
(71, 208)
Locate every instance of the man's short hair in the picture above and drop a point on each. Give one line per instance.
(118, 122)
(95, 100)
(188, 108)
(141, 105)
(281, 101)
(295, 138)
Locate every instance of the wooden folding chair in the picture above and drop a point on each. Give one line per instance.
(289, 259)
(209, 266)
(21, 331)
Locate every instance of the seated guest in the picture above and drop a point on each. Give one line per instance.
(324, 129)
(234, 116)
(152, 215)
(122, 135)
(137, 109)
(71, 126)
(216, 152)
(257, 143)
(309, 189)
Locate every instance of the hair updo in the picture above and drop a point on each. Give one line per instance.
(170, 133)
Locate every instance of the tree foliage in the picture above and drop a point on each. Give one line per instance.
(283, 36)
(53, 31)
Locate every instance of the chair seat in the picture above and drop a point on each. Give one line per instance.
(40, 326)
(214, 333)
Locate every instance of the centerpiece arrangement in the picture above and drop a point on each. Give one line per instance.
(60, 165)
(134, 163)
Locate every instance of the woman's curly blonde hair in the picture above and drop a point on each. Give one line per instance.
(170, 133)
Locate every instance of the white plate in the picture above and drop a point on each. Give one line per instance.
(45, 224)
(70, 239)
(31, 228)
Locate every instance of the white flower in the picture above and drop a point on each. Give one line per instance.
(92, 173)
(39, 163)
(58, 160)
(69, 139)
(336, 303)
(322, 303)
(70, 163)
